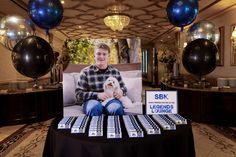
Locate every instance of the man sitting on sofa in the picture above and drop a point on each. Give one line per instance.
(90, 85)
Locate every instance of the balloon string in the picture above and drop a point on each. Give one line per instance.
(181, 29)
(34, 33)
(48, 36)
(47, 32)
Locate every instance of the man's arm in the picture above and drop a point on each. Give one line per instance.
(82, 92)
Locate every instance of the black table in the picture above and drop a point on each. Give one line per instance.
(20, 107)
(61, 143)
(206, 105)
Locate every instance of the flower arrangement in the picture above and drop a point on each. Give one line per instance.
(168, 55)
(167, 58)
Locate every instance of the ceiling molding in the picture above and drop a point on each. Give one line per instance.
(84, 18)
(20, 4)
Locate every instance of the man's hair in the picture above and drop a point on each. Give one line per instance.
(103, 46)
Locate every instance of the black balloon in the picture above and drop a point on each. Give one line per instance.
(32, 57)
(199, 57)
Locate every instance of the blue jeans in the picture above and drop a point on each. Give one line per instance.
(94, 107)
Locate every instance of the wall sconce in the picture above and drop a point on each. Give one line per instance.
(233, 38)
(233, 46)
(185, 44)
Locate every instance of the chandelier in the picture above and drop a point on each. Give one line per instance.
(117, 20)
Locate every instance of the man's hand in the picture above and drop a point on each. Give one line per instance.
(103, 96)
(118, 93)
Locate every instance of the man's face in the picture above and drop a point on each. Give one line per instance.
(101, 58)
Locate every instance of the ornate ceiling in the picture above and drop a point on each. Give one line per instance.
(84, 18)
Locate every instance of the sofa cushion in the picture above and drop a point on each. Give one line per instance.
(74, 111)
(76, 77)
(134, 88)
(131, 74)
(68, 89)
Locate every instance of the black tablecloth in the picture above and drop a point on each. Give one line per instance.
(174, 143)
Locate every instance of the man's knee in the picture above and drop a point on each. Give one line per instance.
(93, 108)
(114, 107)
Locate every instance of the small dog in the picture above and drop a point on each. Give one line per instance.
(110, 86)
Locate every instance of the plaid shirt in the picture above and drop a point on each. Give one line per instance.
(91, 82)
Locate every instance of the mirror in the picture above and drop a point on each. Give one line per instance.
(233, 46)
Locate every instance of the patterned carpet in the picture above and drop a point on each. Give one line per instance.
(210, 141)
(229, 132)
(27, 141)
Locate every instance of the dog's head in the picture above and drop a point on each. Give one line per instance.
(111, 83)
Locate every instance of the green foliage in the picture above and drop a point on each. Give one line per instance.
(113, 59)
(80, 51)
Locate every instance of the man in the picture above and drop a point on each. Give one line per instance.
(90, 85)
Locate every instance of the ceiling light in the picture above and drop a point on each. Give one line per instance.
(185, 44)
(2, 32)
(117, 21)
(233, 35)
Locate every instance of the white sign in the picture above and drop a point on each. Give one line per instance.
(161, 102)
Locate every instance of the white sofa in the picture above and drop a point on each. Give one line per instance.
(131, 78)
